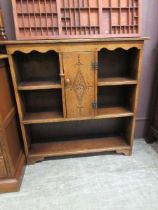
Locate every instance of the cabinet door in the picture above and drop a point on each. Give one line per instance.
(79, 83)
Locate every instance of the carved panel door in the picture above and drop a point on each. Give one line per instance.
(79, 83)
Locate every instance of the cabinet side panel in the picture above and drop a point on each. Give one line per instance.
(6, 102)
(12, 136)
(9, 131)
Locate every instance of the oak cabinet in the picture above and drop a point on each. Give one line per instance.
(76, 96)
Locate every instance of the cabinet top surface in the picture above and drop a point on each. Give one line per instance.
(6, 42)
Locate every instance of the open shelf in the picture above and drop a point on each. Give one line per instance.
(92, 128)
(116, 81)
(41, 104)
(38, 85)
(44, 117)
(118, 67)
(113, 112)
(116, 100)
(79, 137)
(37, 70)
(76, 147)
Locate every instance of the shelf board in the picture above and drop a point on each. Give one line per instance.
(50, 117)
(74, 147)
(116, 81)
(113, 112)
(42, 117)
(38, 85)
(3, 56)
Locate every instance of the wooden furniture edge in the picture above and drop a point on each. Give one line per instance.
(34, 159)
(51, 41)
(13, 184)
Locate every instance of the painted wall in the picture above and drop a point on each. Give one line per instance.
(149, 28)
(149, 24)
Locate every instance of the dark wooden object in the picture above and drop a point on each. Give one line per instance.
(12, 158)
(152, 135)
(88, 89)
(48, 19)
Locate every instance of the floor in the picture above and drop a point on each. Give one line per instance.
(106, 182)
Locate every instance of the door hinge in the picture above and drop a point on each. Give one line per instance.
(95, 66)
(94, 105)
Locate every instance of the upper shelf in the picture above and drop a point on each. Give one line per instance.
(74, 19)
(38, 85)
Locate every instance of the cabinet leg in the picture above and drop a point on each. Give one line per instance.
(127, 152)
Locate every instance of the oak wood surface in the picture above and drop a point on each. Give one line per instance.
(12, 184)
(79, 84)
(77, 147)
(38, 85)
(11, 150)
(115, 94)
(85, 40)
(101, 113)
(104, 112)
(116, 81)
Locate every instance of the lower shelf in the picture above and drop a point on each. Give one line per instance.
(42, 150)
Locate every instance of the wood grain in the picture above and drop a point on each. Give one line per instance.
(79, 84)
(77, 147)
(10, 136)
(38, 85)
(116, 81)
(113, 112)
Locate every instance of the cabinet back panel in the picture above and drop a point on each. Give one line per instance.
(77, 129)
(37, 66)
(118, 63)
(116, 96)
(42, 101)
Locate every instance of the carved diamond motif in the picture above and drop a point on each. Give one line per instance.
(79, 86)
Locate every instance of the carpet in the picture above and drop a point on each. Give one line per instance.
(104, 182)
